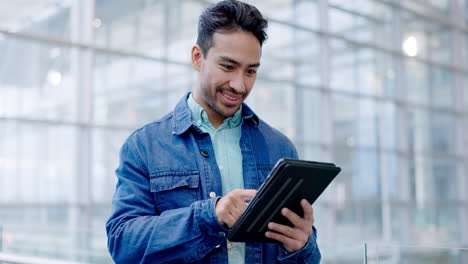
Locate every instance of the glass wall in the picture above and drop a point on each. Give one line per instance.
(378, 87)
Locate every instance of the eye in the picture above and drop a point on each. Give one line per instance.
(227, 67)
(252, 72)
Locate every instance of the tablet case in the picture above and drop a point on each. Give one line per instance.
(288, 182)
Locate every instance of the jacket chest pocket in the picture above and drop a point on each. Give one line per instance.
(175, 189)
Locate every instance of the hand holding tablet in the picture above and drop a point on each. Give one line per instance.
(289, 182)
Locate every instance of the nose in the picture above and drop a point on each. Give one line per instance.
(237, 83)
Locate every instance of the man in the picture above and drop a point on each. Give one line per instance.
(184, 180)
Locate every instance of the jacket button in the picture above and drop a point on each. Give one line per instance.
(212, 194)
(204, 153)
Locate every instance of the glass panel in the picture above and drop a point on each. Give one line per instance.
(396, 174)
(36, 80)
(342, 253)
(143, 92)
(98, 237)
(363, 71)
(464, 93)
(393, 254)
(430, 131)
(106, 149)
(428, 84)
(439, 8)
(314, 152)
(360, 173)
(46, 18)
(416, 82)
(343, 73)
(266, 94)
(156, 28)
(465, 2)
(37, 162)
(359, 221)
(345, 119)
(463, 53)
(364, 21)
(305, 58)
(311, 106)
(386, 122)
(281, 10)
(442, 127)
(306, 13)
(278, 65)
(53, 235)
(442, 87)
(433, 179)
(465, 128)
(427, 39)
(354, 121)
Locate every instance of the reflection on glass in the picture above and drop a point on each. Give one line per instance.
(433, 41)
(410, 46)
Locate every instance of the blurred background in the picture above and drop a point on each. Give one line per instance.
(379, 87)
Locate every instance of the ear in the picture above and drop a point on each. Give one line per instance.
(197, 57)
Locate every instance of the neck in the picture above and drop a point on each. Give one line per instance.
(215, 119)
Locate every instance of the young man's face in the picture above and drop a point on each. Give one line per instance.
(227, 72)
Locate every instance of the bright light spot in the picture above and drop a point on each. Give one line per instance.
(410, 46)
(54, 78)
(97, 22)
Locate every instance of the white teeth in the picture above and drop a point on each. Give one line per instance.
(229, 97)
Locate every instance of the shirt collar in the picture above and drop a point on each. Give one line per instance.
(182, 117)
(200, 117)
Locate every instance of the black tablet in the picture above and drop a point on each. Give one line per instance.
(288, 182)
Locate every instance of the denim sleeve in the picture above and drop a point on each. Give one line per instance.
(309, 254)
(137, 234)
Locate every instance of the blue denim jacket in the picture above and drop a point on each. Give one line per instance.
(162, 211)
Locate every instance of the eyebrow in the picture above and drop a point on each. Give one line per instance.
(230, 60)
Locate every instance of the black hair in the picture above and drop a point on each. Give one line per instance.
(230, 15)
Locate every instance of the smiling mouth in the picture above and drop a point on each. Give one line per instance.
(231, 98)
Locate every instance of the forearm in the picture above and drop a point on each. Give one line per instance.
(181, 235)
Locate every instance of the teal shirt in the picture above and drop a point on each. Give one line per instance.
(228, 155)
